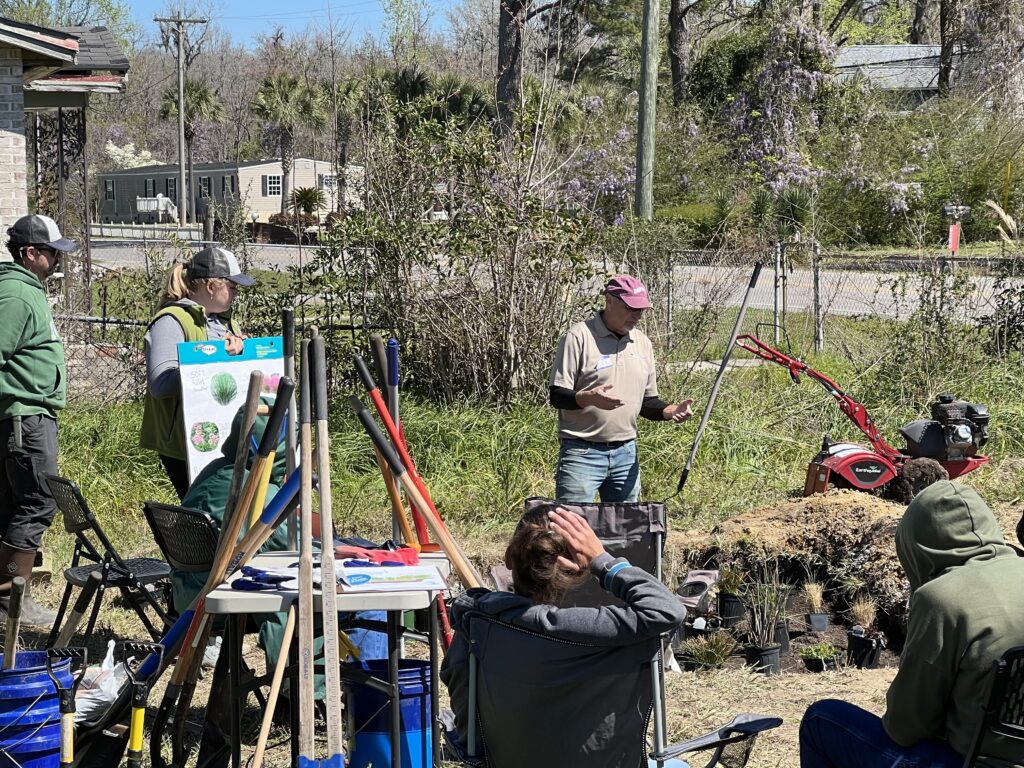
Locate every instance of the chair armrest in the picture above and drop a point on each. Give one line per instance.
(740, 728)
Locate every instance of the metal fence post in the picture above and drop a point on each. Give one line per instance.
(778, 278)
(819, 319)
(669, 298)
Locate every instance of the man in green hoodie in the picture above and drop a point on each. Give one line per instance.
(966, 610)
(32, 391)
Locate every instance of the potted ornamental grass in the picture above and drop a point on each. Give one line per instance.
(814, 593)
(766, 609)
(820, 656)
(707, 652)
(864, 641)
(730, 601)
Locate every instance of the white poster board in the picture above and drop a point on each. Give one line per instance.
(213, 388)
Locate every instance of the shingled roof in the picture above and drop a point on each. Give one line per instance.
(98, 50)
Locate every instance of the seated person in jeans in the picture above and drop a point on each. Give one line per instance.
(549, 555)
(966, 610)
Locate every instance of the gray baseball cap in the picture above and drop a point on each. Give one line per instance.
(39, 230)
(218, 262)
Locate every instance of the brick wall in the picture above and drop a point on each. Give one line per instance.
(13, 193)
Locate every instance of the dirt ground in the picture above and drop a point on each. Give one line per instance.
(849, 534)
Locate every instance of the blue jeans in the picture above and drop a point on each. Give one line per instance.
(585, 469)
(837, 734)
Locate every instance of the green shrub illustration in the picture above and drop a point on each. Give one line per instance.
(223, 388)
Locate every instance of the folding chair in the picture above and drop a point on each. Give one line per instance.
(187, 537)
(92, 547)
(548, 703)
(1001, 733)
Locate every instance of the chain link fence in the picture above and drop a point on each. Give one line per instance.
(806, 300)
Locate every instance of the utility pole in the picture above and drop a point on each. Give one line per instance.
(643, 204)
(179, 26)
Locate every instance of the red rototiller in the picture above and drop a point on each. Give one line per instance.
(945, 446)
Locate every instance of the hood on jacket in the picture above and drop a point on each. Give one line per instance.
(12, 270)
(230, 445)
(947, 525)
(486, 601)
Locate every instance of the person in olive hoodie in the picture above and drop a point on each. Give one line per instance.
(966, 610)
(32, 392)
(196, 306)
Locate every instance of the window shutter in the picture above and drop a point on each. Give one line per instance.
(263, 179)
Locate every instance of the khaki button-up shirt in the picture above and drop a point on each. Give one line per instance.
(590, 356)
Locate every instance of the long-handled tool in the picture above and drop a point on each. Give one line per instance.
(467, 573)
(275, 689)
(13, 622)
(396, 438)
(186, 674)
(718, 379)
(392, 382)
(78, 610)
(306, 680)
(78, 660)
(134, 655)
(195, 615)
(328, 579)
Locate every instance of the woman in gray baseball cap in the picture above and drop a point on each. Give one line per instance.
(196, 306)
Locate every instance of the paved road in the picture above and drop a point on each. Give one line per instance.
(843, 292)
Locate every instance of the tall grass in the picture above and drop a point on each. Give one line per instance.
(480, 462)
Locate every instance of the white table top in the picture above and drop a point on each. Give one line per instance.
(224, 600)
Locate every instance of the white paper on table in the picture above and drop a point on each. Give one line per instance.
(386, 578)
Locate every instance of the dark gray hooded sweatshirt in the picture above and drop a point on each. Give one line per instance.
(650, 610)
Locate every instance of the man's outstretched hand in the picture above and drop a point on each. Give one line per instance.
(679, 412)
(599, 397)
(583, 542)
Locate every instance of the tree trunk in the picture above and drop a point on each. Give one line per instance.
(344, 129)
(679, 47)
(512, 16)
(287, 147)
(917, 26)
(947, 41)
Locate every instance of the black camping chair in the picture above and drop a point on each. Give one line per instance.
(134, 577)
(186, 537)
(541, 701)
(1003, 720)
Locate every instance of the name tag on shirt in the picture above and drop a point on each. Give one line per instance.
(605, 362)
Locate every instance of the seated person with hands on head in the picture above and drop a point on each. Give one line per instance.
(550, 554)
(966, 610)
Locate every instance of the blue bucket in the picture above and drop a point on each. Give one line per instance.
(30, 712)
(369, 714)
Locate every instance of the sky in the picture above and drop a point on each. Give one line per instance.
(247, 19)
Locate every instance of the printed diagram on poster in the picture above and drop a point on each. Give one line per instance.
(213, 388)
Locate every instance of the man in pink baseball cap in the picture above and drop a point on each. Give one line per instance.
(603, 377)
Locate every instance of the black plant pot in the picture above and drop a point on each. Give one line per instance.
(730, 609)
(820, 665)
(764, 660)
(782, 635)
(818, 622)
(862, 651)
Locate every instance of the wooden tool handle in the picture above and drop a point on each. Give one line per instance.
(13, 622)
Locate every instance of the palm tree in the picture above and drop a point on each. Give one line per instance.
(285, 103)
(201, 106)
(346, 99)
(308, 200)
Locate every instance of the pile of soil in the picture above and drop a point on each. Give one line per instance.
(847, 537)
